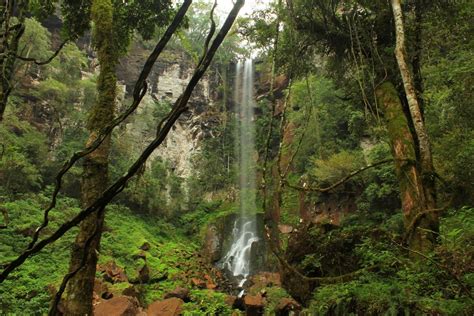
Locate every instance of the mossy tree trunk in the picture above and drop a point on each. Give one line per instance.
(95, 168)
(420, 225)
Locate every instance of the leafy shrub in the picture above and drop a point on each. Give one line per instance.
(206, 302)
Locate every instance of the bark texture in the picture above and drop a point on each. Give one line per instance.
(95, 168)
(424, 145)
(414, 201)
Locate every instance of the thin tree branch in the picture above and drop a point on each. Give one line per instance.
(163, 129)
(338, 183)
(44, 62)
(212, 30)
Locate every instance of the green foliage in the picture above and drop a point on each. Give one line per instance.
(206, 302)
(29, 289)
(400, 285)
(171, 257)
(191, 39)
(382, 189)
(35, 42)
(24, 156)
(195, 221)
(336, 167)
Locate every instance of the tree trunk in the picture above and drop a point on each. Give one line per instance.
(426, 159)
(417, 51)
(95, 168)
(9, 41)
(413, 194)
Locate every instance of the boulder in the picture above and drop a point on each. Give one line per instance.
(169, 307)
(117, 306)
(265, 279)
(287, 306)
(285, 229)
(132, 291)
(112, 273)
(100, 287)
(254, 305)
(210, 284)
(179, 292)
(235, 302)
(230, 300)
(198, 283)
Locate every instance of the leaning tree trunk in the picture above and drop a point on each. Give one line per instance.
(424, 146)
(419, 227)
(95, 169)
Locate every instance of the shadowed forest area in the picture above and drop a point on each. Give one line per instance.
(214, 157)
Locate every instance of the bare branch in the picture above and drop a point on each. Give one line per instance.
(44, 62)
(318, 280)
(212, 30)
(338, 183)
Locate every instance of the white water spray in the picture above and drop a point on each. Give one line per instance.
(244, 234)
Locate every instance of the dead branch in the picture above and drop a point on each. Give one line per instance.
(163, 129)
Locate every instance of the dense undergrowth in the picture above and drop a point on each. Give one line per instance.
(171, 257)
(436, 284)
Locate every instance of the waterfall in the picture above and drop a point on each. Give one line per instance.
(244, 234)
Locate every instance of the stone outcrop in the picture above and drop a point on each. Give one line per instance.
(112, 273)
(168, 307)
(288, 306)
(179, 292)
(254, 305)
(117, 306)
(167, 81)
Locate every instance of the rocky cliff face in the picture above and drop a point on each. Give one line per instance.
(166, 83)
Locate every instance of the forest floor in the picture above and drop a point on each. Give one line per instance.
(144, 263)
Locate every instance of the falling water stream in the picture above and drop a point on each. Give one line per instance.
(244, 234)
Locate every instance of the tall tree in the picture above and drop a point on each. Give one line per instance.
(359, 37)
(95, 173)
(113, 23)
(423, 238)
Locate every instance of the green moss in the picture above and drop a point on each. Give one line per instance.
(206, 302)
